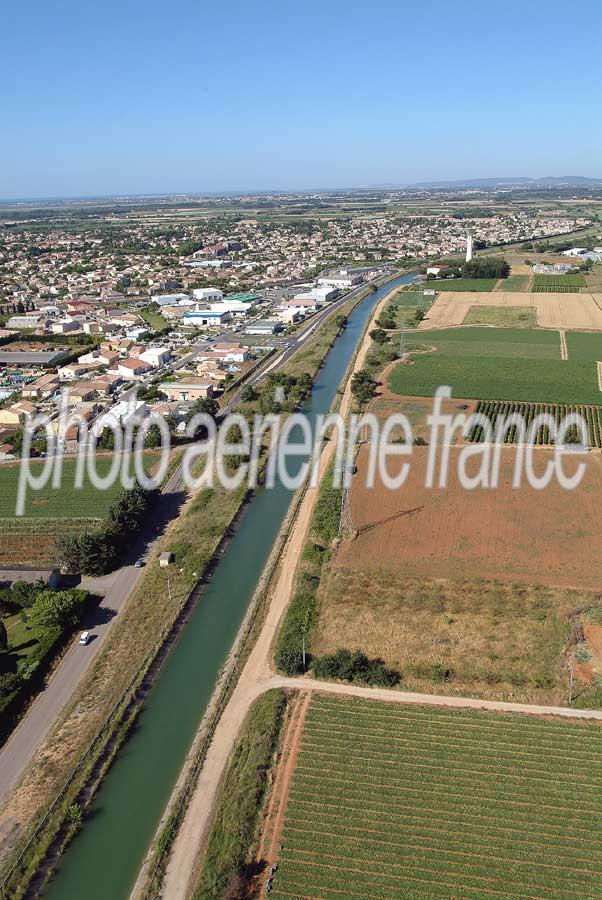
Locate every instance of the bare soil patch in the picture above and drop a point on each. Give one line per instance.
(572, 311)
(550, 536)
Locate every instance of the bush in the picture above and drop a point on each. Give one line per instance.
(355, 667)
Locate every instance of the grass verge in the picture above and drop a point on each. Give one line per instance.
(235, 829)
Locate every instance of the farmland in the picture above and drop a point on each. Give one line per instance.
(504, 316)
(497, 364)
(64, 502)
(462, 284)
(32, 542)
(527, 535)
(390, 801)
(494, 410)
(558, 284)
(560, 310)
(514, 283)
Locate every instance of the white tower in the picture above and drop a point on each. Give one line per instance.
(468, 245)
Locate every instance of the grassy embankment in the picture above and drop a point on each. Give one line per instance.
(233, 837)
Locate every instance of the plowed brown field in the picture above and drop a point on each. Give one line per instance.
(550, 537)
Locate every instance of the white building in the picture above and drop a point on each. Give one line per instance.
(201, 318)
(236, 307)
(124, 413)
(156, 356)
(169, 299)
(208, 295)
(342, 280)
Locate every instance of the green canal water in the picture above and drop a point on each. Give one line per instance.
(104, 859)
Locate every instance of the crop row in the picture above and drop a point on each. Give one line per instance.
(426, 831)
(498, 410)
(477, 862)
(364, 755)
(332, 709)
(467, 819)
(436, 736)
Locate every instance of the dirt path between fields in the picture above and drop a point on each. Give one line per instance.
(269, 848)
(258, 677)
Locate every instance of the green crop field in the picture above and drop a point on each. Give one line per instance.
(496, 410)
(461, 284)
(496, 364)
(558, 284)
(65, 502)
(390, 801)
(584, 345)
(504, 316)
(515, 283)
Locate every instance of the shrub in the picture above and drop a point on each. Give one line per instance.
(345, 665)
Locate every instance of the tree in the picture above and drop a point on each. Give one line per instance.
(248, 394)
(58, 609)
(3, 637)
(378, 335)
(363, 386)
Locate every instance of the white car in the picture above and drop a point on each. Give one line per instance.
(84, 638)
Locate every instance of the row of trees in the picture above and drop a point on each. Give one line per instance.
(486, 267)
(98, 552)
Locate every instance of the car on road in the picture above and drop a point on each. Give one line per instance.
(139, 564)
(85, 638)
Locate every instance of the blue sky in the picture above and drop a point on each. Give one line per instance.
(132, 97)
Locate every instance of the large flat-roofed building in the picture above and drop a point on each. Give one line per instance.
(32, 357)
(186, 390)
(204, 317)
(265, 326)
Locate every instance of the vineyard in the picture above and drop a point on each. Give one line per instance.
(390, 801)
(495, 410)
(558, 284)
(28, 542)
(66, 501)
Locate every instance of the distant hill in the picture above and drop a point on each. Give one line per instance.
(550, 181)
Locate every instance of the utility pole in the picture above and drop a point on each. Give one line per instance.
(571, 675)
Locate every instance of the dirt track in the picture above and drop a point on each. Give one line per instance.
(560, 311)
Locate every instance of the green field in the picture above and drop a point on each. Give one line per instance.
(504, 316)
(495, 409)
(584, 345)
(390, 801)
(558, 284)
(461, 284)
(66, 502)
(497, 364)
(515, 283)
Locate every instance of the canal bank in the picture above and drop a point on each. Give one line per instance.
(104, 858)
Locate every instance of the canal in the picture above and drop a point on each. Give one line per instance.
(104, 859)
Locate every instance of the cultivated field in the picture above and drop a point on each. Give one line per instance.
(461, 284)
(550, 536)
(514, 283)
(503, 316)
(496, 409)
(498, 364)
(558, 284)
(389, 801)
(32, 542)
(554, 310)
